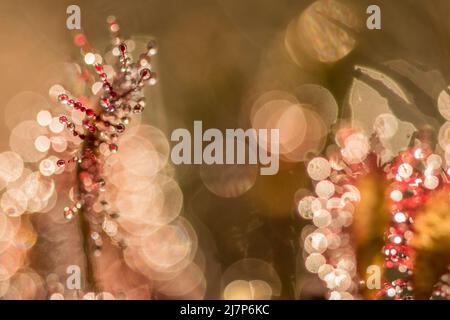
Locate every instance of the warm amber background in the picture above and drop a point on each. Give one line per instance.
(212, 53)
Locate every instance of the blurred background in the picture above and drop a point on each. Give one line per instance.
(242, 64)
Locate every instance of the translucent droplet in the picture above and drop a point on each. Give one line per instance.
(44, 118)
(305, 207)
(405, 170)
(42, 143)
(89, 58)
(152, 47)
(322, 218)
(396, 195)
(356, 148)
(325, 189)
(314, 261)
(431, 182)
(316, 243)
(324, 270)
(319, 169)
(47, 167)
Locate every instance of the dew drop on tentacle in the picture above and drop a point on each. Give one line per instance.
(61, 163)
(123, 48)
(145, 74)
(152, 48)
(113, 148)
(71, 212)
(68, 214)
(120, 128)
(63, 98)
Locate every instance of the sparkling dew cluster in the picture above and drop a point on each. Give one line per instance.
(125, 189)
(413, 175)
(120, 96)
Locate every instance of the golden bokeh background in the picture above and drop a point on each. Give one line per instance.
(233, 64)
